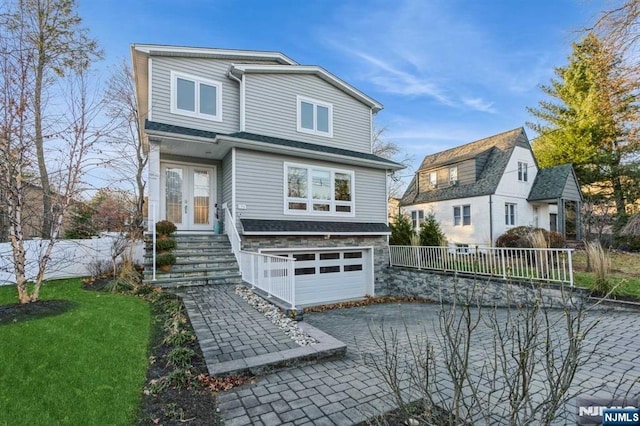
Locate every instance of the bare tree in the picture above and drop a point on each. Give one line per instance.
(130, 159)
(620, 26)
(76, 134)
(390, 150)
(55, 44)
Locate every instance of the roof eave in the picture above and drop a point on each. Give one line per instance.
(238, 69)
(322, 155)
(158, 49)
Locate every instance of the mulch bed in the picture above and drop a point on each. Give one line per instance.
(194, 405)
(17, 312)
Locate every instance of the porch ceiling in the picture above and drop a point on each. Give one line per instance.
(198, 149)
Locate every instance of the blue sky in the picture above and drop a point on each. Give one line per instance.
(447, 72)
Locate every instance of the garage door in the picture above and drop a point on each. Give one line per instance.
(330, 276)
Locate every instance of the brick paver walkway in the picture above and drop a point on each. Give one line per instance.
(228, 328)
(349, 390)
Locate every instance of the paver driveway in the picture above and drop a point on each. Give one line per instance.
(349, 390)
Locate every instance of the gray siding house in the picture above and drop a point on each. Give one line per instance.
(285, 148)
(479, 190)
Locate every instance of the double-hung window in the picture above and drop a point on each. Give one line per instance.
(417, 217)
(522, 171)
(433, 179)
(462, 215)
(318, 190)
(315, 117)
(453, 175)
(196, 96)
(510, 214)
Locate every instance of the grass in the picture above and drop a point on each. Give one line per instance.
(625, 272)
(86, 366)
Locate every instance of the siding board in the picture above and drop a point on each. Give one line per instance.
(260, 187)
(271, 109)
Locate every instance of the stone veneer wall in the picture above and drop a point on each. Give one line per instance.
(379, 244)
(446, 288)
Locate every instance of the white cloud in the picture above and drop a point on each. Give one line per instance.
(479, 105)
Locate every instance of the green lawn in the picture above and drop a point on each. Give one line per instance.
(625, 272)
(86, 366)
(626, 285)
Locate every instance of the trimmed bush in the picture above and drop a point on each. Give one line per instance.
(520, 237)
(165, 259)
(165, 245)
(165, 227)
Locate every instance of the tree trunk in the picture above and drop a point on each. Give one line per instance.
(39, 142)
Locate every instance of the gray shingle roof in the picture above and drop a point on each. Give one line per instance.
(186, 131)
(550, 182)
(497, 149)
(312, 226)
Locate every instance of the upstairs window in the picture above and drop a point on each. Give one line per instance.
(462, 215)
(453, 174)
(522, 171)
(196, 97)
(433, 179)
(315, 117)
(510, 214)
(316, 190)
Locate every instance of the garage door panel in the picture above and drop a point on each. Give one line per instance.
(328, 276)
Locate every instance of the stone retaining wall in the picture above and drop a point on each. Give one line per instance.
(487, 291)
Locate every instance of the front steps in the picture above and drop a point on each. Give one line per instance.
(200, 260)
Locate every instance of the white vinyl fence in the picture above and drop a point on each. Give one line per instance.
(546, 265)
(69, 258)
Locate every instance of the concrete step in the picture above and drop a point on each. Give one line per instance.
(178, 271)
(193, 281)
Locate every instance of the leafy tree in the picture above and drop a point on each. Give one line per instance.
(591, 121)
(401, 231)
(81, 225)
(430, 232)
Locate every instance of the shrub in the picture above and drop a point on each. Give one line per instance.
(165, 259)
(520, 237)
(430, 232)
(401, 231)
(166, 244)
(165, 227)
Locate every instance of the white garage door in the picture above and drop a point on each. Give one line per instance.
(332, 275)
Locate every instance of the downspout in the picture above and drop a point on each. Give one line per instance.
(241, 96)
(491, 219)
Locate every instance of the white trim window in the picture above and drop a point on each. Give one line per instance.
(462, 215)
(196, 97)
(433, 179)
(315, 117)
(522, 171)
(510, 210)
(318, 190)
(453, 174)
(417, 217)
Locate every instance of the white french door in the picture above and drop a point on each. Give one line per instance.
(188, 196)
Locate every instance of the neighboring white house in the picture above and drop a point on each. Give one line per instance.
(286, 147)
(479, 190)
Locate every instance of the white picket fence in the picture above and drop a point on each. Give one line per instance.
(545, 265)
(69, 258)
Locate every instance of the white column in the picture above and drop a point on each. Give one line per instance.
(153, 183)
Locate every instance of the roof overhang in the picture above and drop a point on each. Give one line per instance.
(239, 69)
(312, 227)
(203, 52)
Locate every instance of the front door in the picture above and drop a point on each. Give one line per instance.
(188, 196)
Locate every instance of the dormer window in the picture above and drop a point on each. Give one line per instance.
(453, 175)
(433, 179)
(522, 171)
(315, 117)
(196, 97)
